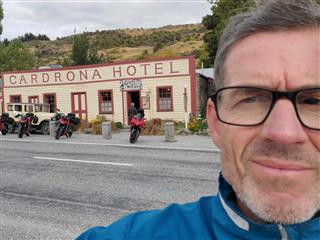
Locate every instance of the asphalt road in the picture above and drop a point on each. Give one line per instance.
(57, 189)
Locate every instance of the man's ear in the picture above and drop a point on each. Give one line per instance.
(213, 123)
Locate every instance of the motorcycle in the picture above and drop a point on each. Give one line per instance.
(65, 124)
(24, 125)
(4, 120)
(137, 122)
(56, 117)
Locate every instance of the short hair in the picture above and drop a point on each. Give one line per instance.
(269, 16)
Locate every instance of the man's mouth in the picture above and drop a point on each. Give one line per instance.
(278, 166)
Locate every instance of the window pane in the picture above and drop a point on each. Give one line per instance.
(28, 108)
(165, 99)
(51, 100)
(165, 104)
(106, 101)
(18, 108)
(106, 106)
(15, 98)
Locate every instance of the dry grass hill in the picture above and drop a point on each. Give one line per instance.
(126, 44)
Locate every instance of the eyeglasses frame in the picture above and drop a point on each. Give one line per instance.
(276, 95)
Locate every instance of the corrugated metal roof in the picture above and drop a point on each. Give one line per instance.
(206, 72)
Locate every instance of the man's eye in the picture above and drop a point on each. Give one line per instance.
(248, 100)
(311, 101)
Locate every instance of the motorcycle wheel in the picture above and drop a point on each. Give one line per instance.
(20, 131)
(11, 127)
(134, 135)
(58, 133)
(70, 133)
(45, 128)
(4, 132)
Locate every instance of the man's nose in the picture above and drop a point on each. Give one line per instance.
(283, 126)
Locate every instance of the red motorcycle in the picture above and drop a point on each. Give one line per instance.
(25, 122)
(4, 119)
(65, 125)
(137, 122)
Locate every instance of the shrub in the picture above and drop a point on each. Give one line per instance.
(178, 126)
(118, 125)
(153, 127)
(96, 124)
(198, 125)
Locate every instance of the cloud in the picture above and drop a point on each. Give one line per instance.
(59, 18)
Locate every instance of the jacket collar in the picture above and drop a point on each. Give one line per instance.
(227, 199)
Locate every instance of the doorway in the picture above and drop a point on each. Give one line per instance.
(50, 98)
(133, 96)
(79, 105)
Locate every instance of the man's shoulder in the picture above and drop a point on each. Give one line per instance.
(174, 214)
(176, 221)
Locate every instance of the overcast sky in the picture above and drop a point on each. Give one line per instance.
(57, 18)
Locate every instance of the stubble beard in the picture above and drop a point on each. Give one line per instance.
(269, 206)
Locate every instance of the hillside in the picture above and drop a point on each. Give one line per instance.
(126, 44)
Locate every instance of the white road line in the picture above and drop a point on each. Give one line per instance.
(83, 161)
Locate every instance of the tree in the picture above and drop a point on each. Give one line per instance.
(80, 50)
(6, 42)
(1, 17)
(222, 10)
(157, 46)
(83, 52)
(31, 37)
(15, 56)
(43, 37)
(93, 57)
(27, 37)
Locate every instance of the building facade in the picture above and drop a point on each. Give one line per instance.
(165, 89)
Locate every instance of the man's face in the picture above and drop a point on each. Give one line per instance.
(274, 167)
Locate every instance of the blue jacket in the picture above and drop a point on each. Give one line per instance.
(215, 217)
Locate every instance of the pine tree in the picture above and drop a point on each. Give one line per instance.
(80, 50)
(1, 17)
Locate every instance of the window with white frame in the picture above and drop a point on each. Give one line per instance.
(165, 98)
(106, 105)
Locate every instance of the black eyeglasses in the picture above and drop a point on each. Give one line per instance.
(251, 106)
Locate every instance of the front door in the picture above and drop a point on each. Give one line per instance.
(50, 98)
(33, 99)
(79, 105)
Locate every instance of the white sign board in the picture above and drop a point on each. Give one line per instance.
(133, 84)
